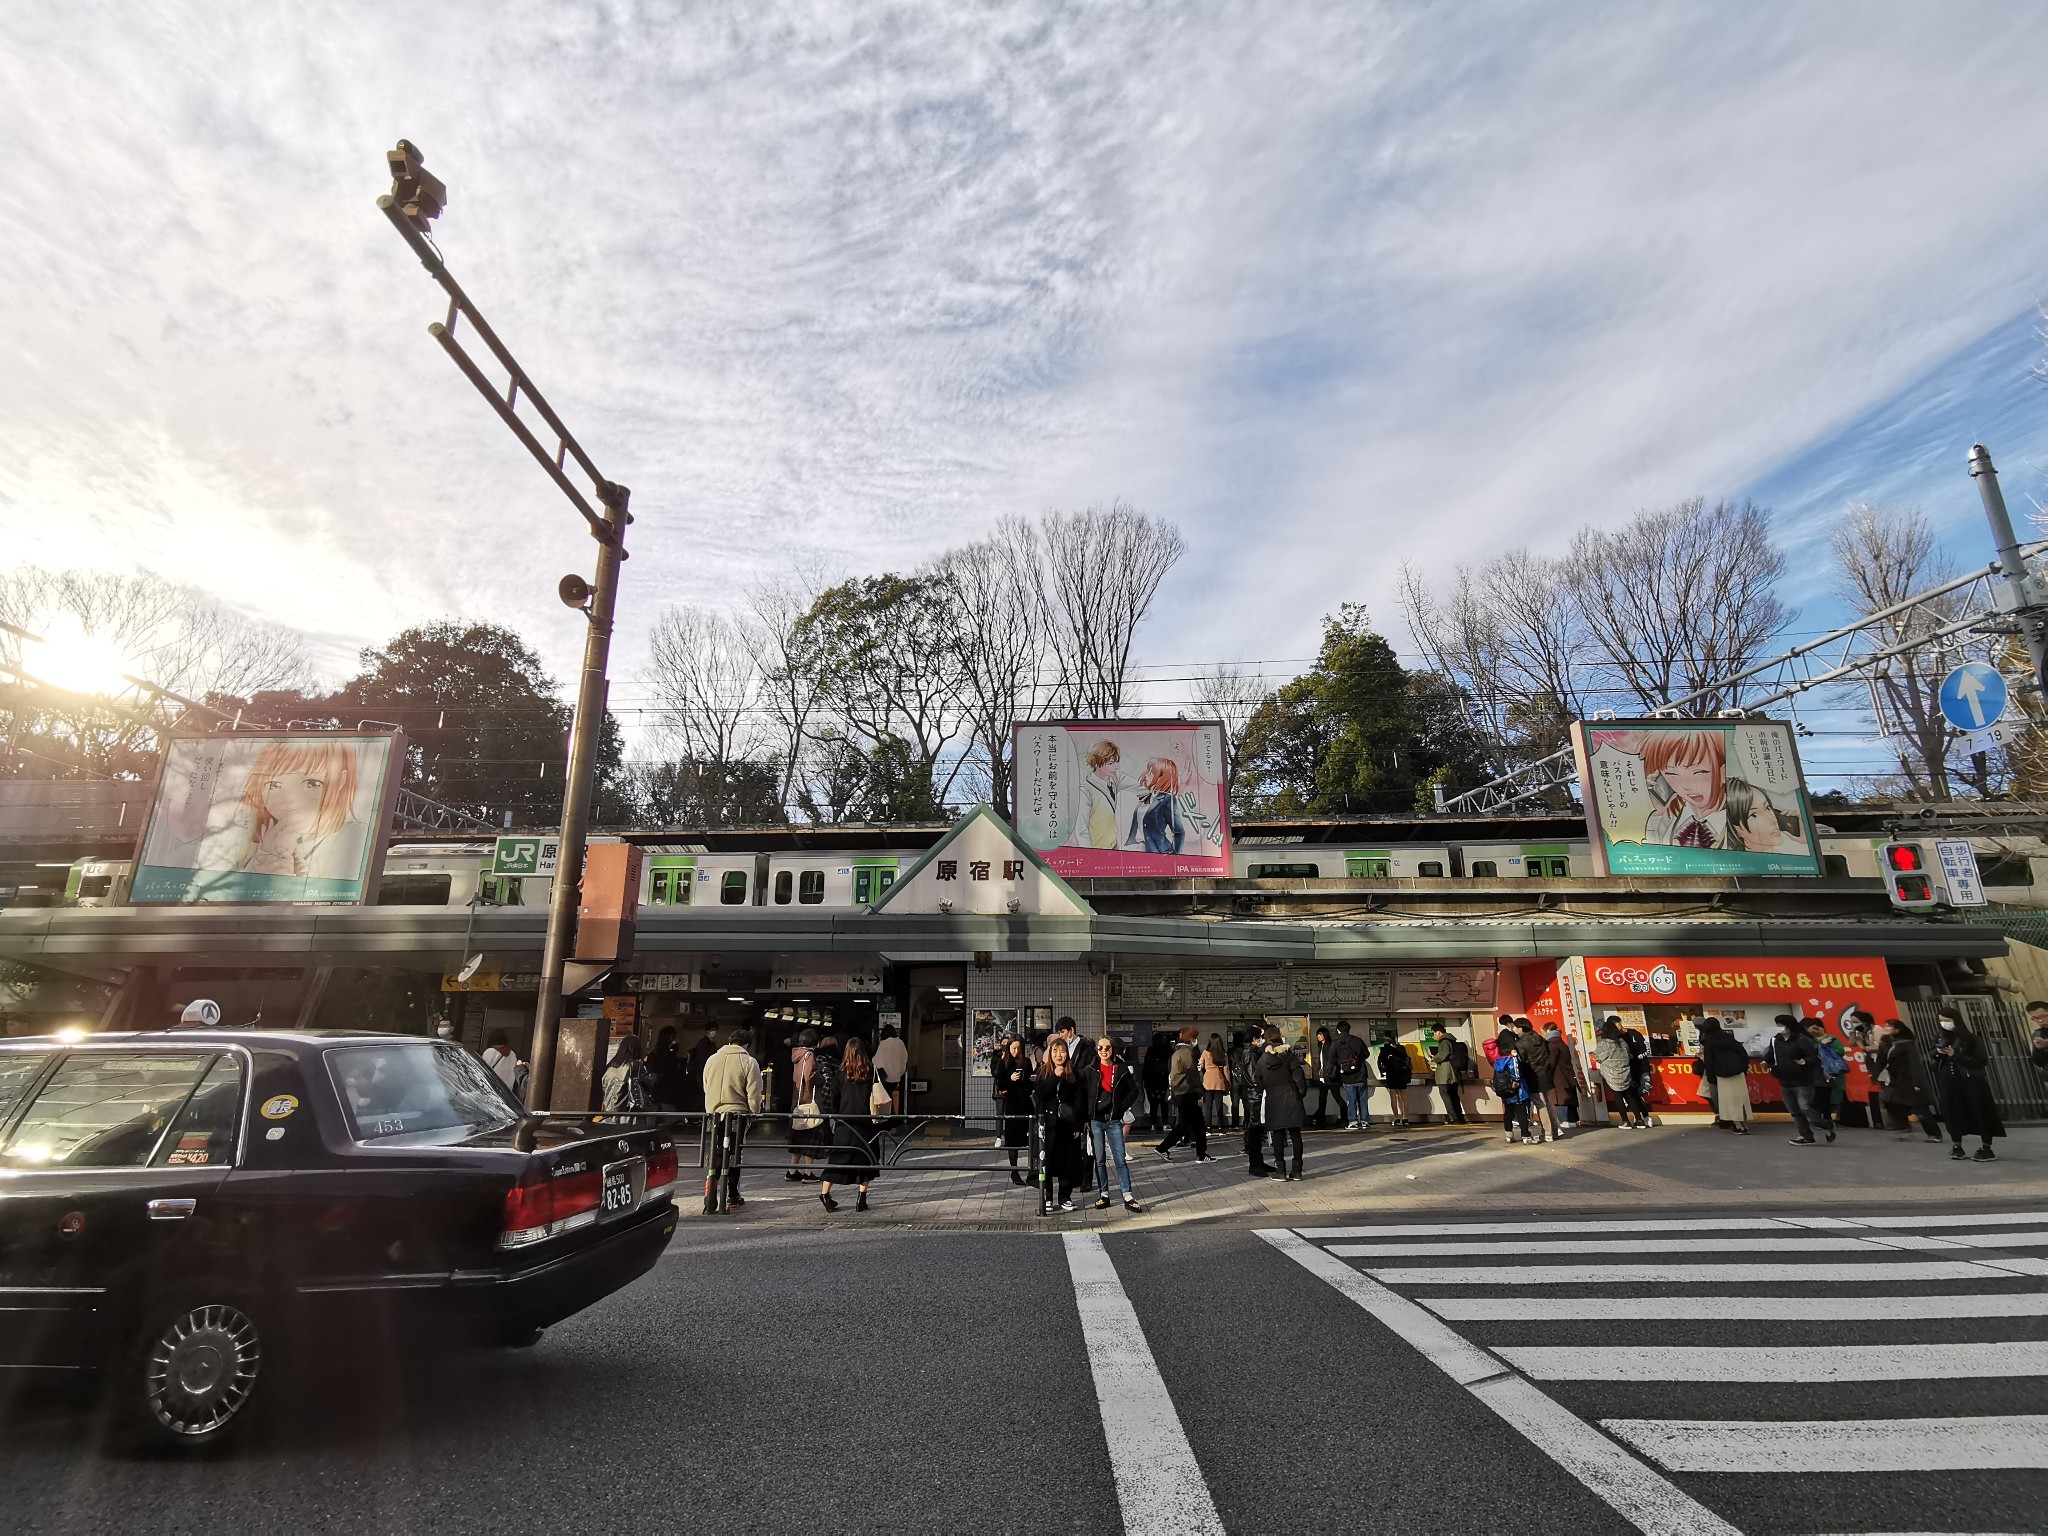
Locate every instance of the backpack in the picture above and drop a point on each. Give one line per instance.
(1507, 1078)
(1832, 1061)
(1461, 1060)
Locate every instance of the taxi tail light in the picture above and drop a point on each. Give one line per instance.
(539, 1207)
(661, 1169)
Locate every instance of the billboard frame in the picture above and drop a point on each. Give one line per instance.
(1596, 832)
(1138, 723)
(376, 846)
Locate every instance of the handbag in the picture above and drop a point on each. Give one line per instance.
(808, 1116)
(878, 1099)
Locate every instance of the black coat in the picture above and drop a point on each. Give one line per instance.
(1397, 1068)
(1534, 1051)
(1284, 1084)
(1014, 1098)
(1962, 1076)
(1722, 1055)
(852, 1158)
(1063, 1111)
(1794, 1060)
(1123, 1093)
(1897, 1062)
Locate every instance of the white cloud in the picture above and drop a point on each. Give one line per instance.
(1334, 286)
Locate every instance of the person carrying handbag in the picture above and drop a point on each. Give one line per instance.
(1109, 1093)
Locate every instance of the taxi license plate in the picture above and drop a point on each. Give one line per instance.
(620, 1193)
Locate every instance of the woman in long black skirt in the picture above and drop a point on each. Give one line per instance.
(1063, 1117)
(852, 1158)
(1961, 1075)
(1014, 1081)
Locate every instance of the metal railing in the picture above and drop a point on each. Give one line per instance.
(2008, 1050)
(898, 1144)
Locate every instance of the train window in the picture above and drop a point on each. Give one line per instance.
(1533, 867)
(500, 890)
(94, 885)
(810, 886)
(1485, 869)
(1284, 871)
(1834, 864)
(415, 890)
(782, 887)
(884, 878)
(732, 889)
(670, 887)
(1560, 869)
(1430, 869)
(863, 887)
(1375, 869)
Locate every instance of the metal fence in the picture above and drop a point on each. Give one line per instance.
(2008, 1049)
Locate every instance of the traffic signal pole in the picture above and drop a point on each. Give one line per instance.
(2023, 597)
(414, 202)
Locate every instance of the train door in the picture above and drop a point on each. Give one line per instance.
(1361, 865)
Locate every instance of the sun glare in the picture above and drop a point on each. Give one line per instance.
(72, 657)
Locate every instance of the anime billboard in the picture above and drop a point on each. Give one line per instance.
(1124, 797)
(257, 818)
(1695, 797)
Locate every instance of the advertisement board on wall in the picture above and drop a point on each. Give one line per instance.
(1694, 797)
(1124, 797)
(299, 817)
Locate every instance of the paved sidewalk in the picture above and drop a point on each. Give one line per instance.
(1435, 1169)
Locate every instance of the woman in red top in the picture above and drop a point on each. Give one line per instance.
(1109, 1092)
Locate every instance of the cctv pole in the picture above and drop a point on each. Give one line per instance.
(414, 202)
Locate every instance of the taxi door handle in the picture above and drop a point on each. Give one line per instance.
(171, 1210)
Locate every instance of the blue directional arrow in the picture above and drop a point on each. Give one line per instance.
(1973, 696)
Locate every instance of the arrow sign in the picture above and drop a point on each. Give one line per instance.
(1973, 696)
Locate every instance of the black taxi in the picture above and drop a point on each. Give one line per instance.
(182, 1210)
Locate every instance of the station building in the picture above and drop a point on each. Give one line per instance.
(974, 935)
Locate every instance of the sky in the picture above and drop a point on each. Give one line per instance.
(1333, 286)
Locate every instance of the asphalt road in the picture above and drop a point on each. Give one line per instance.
(1437, 1381)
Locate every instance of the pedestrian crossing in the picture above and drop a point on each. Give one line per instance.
(1901, 1350)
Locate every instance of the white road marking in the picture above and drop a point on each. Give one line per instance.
(1999, 1442)
(1799, 1309)
(1541, 1228)
(1635, 1490)
(1159, 1486)
(1626, 1246)
(1701, 1274)
(1687, 1224)
(1775, 1363)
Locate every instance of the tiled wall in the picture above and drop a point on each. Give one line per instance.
(1064, 986)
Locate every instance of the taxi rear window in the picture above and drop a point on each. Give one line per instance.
(417, 1093)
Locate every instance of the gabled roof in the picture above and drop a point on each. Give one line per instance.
(970, 829)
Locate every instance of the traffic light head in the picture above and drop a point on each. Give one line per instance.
(1907, 879)
(419, 194)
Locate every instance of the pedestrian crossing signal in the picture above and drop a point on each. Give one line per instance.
(1907, 879)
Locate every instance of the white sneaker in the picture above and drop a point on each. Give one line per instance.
(1067, 1205)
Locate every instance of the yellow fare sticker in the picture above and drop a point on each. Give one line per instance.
(283, 1107)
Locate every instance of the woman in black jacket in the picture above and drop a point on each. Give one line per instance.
(1063, 1126)
(1108, 1089)
(1397, 1071)
(1962, 1078)
(1013, 1086)
(1283, 1085)
(1725, 1064)
(1902, 1092)
(852, 1158)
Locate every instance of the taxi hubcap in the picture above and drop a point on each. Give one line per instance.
(201, 1368)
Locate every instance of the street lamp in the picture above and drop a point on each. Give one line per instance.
(414, 202)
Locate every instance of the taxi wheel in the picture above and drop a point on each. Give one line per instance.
(194, 1373)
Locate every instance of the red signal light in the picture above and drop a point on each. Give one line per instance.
(1904, 858)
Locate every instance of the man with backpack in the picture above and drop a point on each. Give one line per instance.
(1354, 1078)
(1447, 1071)
(1510, 1086)
(1834, 1064)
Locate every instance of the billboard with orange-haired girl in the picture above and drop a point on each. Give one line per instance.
(1695, 797)
(1124, 797)
(256, 818)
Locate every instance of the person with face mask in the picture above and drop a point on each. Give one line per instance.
(444, 1029)
(1794, 1061)
(1902, 1092)
(1962, 1080)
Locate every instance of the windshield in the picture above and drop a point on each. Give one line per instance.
(423, 1092)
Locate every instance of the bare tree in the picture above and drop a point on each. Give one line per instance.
(175, 637)
(1103, 567)
(1000, 638)
(1678, 599)
(790, 668)
(1233, 696)
(706, 683)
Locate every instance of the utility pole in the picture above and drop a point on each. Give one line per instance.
(2019, 594)
(414, 202)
